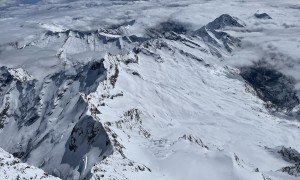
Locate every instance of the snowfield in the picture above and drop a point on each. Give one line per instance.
(160, 90)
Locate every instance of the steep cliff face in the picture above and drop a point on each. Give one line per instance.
(45, 122)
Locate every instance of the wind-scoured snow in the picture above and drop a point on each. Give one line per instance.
(165, 90)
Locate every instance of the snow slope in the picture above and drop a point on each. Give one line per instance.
(192, 119)
(151, 89)
(13, 168)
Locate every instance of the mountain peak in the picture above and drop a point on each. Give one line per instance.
(223, 21)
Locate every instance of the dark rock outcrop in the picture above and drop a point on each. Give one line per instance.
(262, 16)
(272, 86)
(292, 156)
(223, 21)
(49, 117)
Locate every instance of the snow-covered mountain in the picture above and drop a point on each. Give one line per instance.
(153, 90)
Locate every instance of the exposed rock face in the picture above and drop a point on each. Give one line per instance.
(213, 35)
(49, 116)
(224, 21)
(289, 154)
(272, 86)
(262, 16)
(292, 156)
(292, 170)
